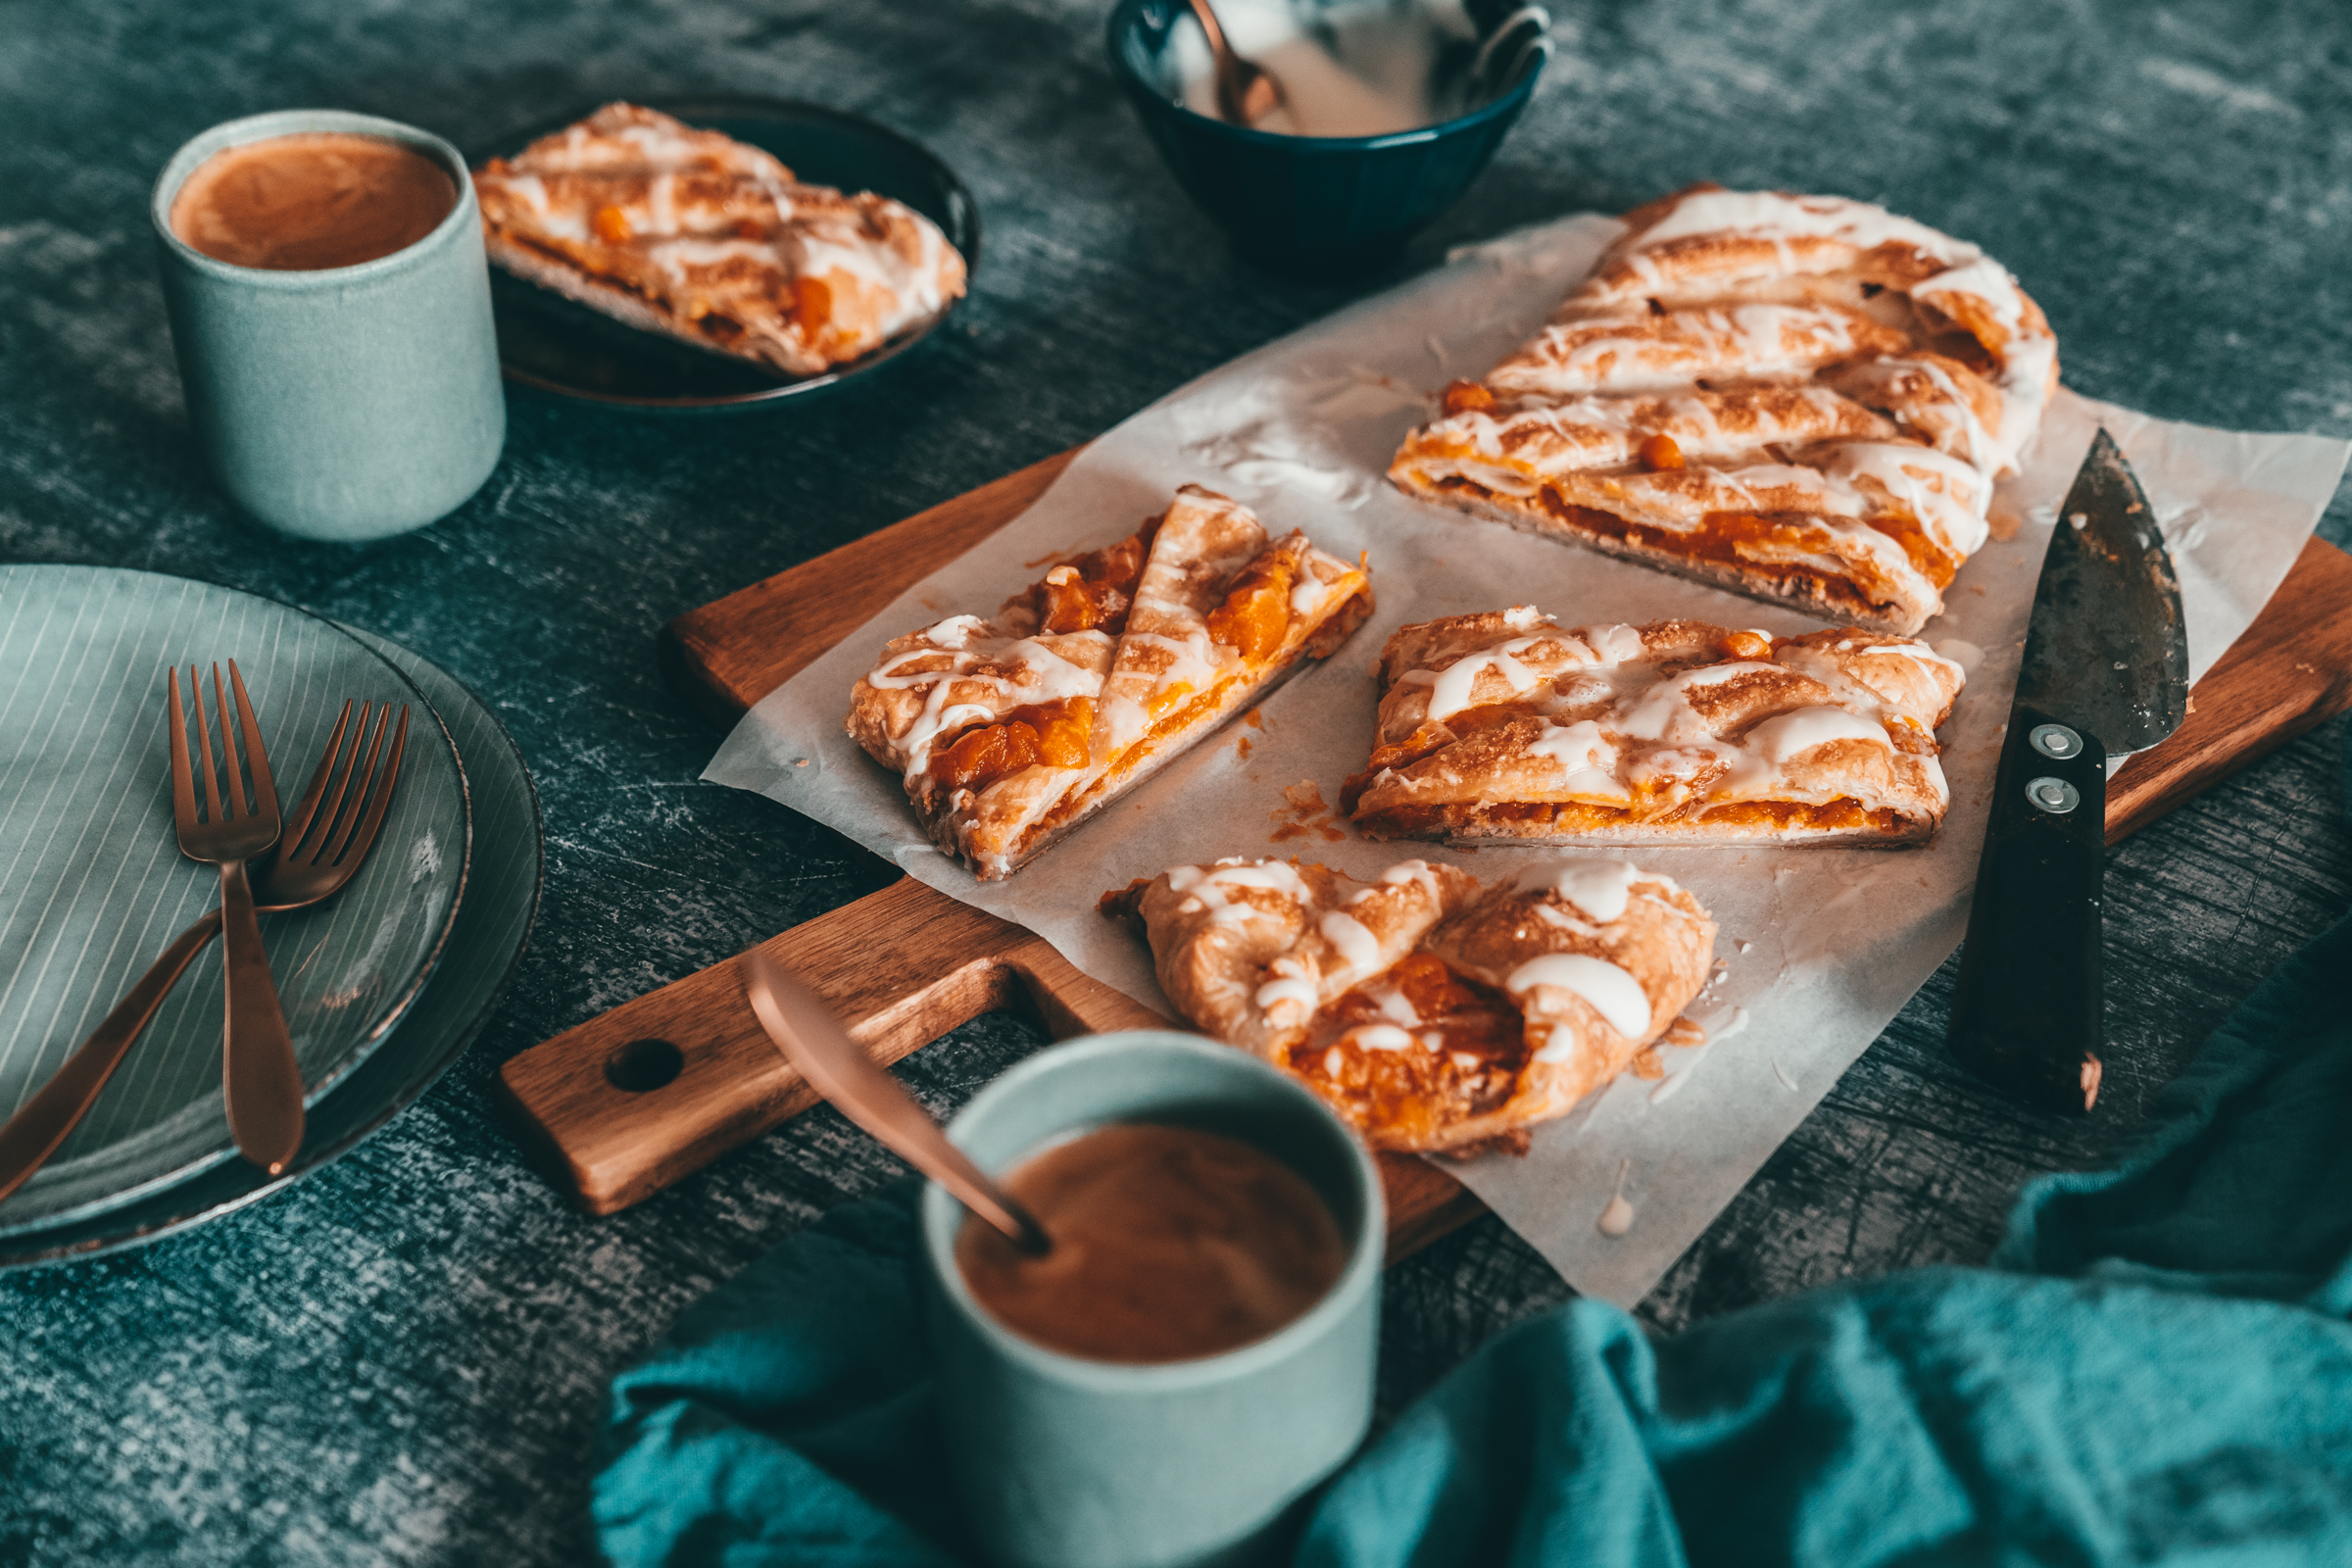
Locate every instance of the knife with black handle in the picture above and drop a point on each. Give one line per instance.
(2105, 674)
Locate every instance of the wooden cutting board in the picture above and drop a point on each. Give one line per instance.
(627, 1103)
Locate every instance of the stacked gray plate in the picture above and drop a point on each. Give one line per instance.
(383, 985)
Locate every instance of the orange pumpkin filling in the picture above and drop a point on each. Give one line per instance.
(1094, 591)
(1055, 734)
(1461, 397)
(1543, 818)
(1720, 535)
(1256, 611)
(1464, 1058)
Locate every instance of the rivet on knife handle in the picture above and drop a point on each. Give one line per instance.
(2026, 1014)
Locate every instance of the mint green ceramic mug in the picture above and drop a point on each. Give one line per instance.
(1063, 1461)
(346, 404)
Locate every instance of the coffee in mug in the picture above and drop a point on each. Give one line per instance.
(1170, 1243)
(311, 201)
(1088, 1421)
(329, 299)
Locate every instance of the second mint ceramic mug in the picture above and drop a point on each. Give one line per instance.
(350, 403)
(1064, 1461)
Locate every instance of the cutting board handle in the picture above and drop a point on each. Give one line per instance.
(632, 1100)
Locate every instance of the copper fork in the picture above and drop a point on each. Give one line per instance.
(258, 1069)
(321, 851)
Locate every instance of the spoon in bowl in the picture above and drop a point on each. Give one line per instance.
(821, 1051)
(1246, 92)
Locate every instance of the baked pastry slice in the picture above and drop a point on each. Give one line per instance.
(1802, 398)
(703, 238)
(1429, 1014)
(1010, 732)
(1508, 726)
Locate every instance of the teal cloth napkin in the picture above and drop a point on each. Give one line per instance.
(2156, 1369)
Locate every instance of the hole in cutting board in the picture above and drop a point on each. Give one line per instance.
(644, 1064)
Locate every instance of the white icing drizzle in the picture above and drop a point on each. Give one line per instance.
(1775, 216)
(1771, 744)
(1602, 889)
(1357, 947)
(1452, 692)
(1664, 713)
(1408, 872)
(1919, 653)
(1212, 886)
(1945, 495)
(1039, 675)
(1626, 354)
(1613, 994)
(1615, 644)
(1671, 1085)
(1579, 747)
(1301, 993)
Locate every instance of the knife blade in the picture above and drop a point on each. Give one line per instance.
(2105, 674)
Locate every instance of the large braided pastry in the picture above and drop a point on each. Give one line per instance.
(1802, 398)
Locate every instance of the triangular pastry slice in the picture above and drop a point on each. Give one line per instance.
(1508, 726)
(1010, 732)
(1430, 1016)
(1802, 398)
(703, 238)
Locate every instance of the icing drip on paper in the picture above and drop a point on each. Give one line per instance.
(1719, 1029)
(1617, 1216)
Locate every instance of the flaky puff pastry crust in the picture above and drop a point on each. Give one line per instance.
(1802, 398)
(705, 239)
(1010, 732)
(1431, 1016)
(1508, 726)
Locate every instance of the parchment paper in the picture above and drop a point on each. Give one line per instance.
(1819, 948)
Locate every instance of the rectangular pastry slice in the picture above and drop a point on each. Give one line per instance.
(1428, 1013)
(1506, 725)
(702, 238)
(1802, 398)
(1011, 732)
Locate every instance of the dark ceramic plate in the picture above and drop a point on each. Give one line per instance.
(557, 345)
(493, 924)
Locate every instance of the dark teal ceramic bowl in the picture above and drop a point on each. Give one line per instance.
(1307, 205)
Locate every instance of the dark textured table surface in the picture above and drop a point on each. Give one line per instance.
(403, 1360)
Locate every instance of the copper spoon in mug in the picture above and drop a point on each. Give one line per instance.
(821, 1051)
(1246, 92)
